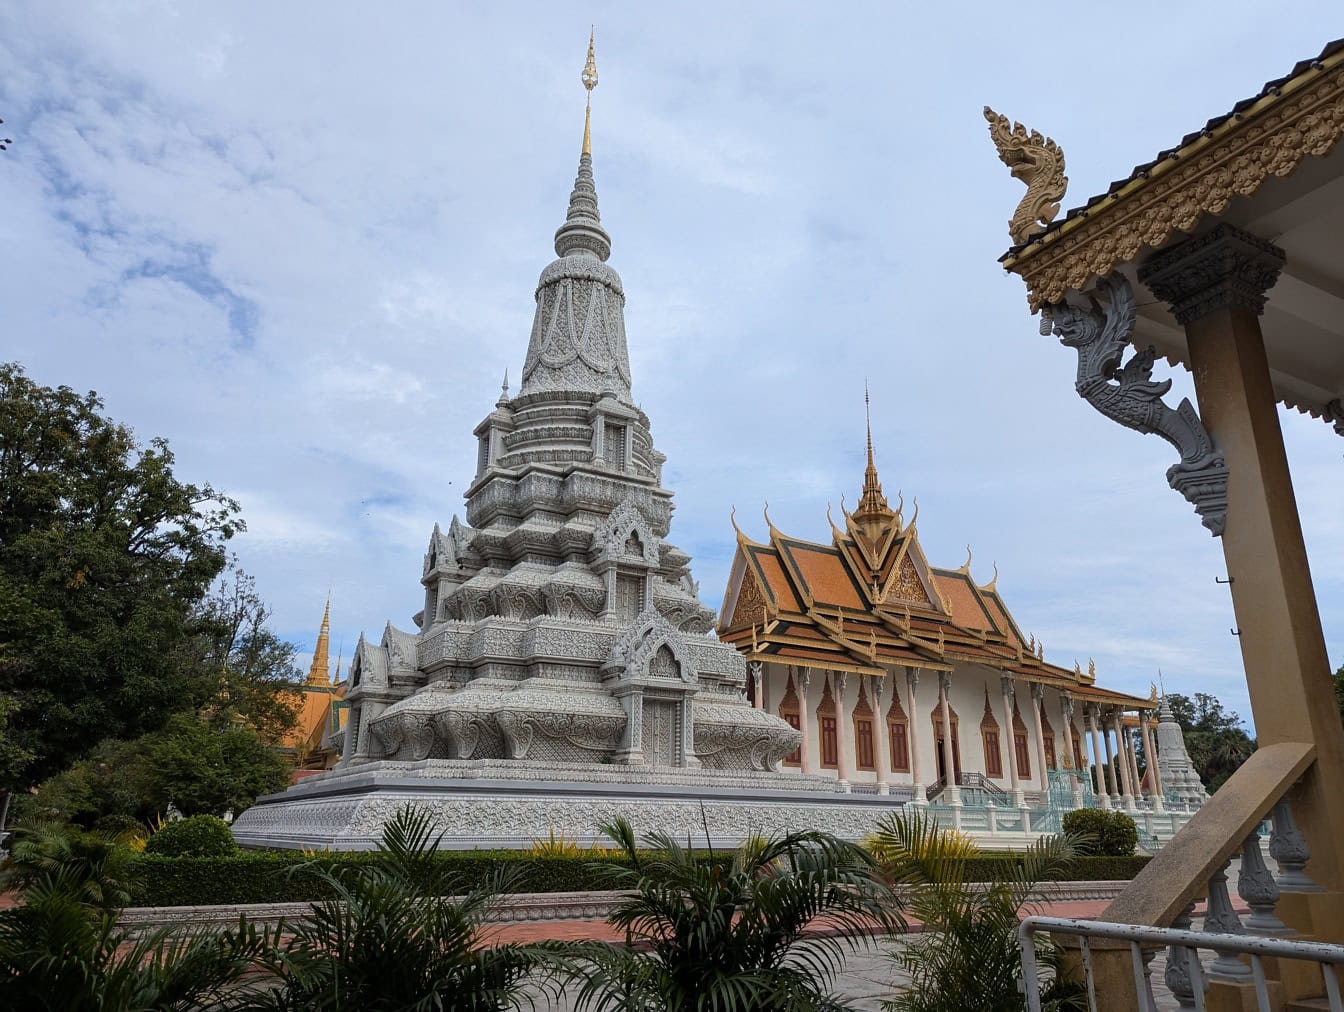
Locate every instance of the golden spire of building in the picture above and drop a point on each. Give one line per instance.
(319, 673)
(589, 79)
(872, 502)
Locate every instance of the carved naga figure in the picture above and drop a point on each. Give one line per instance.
(1038, 162)
(1127, 394)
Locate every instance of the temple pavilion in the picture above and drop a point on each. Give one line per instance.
(873, 653)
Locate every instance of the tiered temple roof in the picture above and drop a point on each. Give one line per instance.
(869, 600)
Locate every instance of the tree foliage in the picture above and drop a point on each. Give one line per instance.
(1338, 679)
(202, 769)
(729, 934)
(967, 955)
(1214, 736)
(104, 555)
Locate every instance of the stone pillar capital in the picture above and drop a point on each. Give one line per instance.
(1007, 684)
(1225, 269)
(945, 681)
(912, 677)
(1037, 691)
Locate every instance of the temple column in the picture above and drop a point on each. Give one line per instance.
(1006, 683)
(912, 733)
(844, 731)
(881, 739)
(1037, 699)
(1135, 783)
(805, 719)
(1103, 798)
(758, 685)
(1216, 286)
(1066, 711)
(1122, 757)
(951, 789)
(1150, 755)
(1111, 790)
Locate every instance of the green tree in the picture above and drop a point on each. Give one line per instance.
(1338, 679)
(104, 556)
(731, 932)
(1214, 736)
(206, 770)
(245, 668)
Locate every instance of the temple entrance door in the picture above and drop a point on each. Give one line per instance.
(942, 764)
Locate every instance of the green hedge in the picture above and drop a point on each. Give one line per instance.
(987, 868)
(272, 877)
(277, 877)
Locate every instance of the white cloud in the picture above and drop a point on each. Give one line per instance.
(301, 242)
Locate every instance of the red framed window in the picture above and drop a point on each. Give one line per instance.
(830, 754)
(993, 759)
(794, 758)
(1023, 755)
(863, 744)
(900, 746)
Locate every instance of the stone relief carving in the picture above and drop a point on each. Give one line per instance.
(1127, 394)
(1038, 162)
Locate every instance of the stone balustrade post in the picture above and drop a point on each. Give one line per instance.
(1177, 976)
(1221, 917)
(1257, 887)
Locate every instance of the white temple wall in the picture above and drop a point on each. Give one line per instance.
(966, 698)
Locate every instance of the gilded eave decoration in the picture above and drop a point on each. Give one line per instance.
(1038, 162)
(1304, 117)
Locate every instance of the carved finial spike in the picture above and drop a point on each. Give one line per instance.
(1091, 669)
(768, 523)
(589, 79)
(994, 582)
(966, 566)
(732, 519)
(915, 516)
(836, 532)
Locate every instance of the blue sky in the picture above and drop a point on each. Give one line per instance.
(300, 242)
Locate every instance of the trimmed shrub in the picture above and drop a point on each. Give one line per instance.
(195, 836)
(116, 825)
(1103, 833)
(279, 877)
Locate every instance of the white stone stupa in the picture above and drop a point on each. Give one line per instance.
(1180, 780)
(563, 669)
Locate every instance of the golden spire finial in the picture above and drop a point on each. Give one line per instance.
(872, 503)
(589, 79)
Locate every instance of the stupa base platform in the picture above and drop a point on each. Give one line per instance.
(511, 804)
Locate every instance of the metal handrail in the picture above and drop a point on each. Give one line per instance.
(1326, 955)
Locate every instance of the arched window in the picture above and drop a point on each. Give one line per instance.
(898, 733)
(830, 744)
(1078, 763)
(863, 731)
(989, 737)
(791, 713)
(1048, 732)
(1021, 751)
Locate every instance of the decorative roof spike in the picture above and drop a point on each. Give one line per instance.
(1091, 669)
(582, 231)
(589, 79)
(836, 533)
(319, 672)
(993, 584)
(768, 523)
(966, 566)
(872, 503)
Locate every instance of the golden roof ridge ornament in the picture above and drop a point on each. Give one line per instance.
(872, 503)
(1039, 162)
(589, 79)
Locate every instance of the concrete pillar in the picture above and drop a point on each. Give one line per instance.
(952, 791)
(1122, 760)
(1136, 785)
(1150, 754)
(1103, 798)
(881, 737)
(1111, 790)
(1066, 711)
(844, 731)
(1037, 698)
(805, 718)
(1216, 287)
(912, 733)
(1006, 683)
